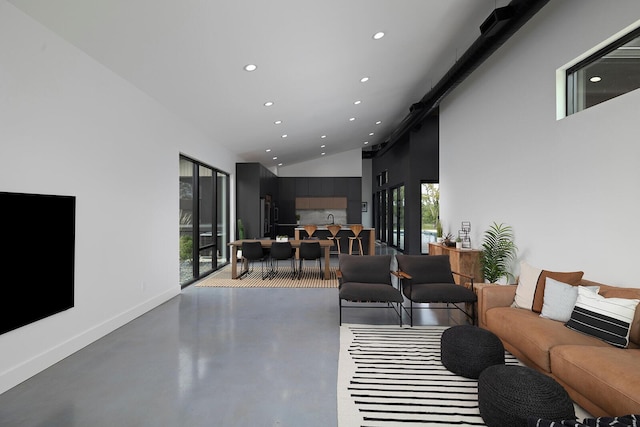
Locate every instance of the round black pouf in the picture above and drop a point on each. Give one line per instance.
(467, 350)
(508, 394)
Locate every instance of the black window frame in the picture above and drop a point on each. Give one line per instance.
(571, 80)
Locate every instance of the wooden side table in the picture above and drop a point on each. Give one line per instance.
(465, 261)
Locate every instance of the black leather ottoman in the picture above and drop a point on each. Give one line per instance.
(508, 394)
(467, 350)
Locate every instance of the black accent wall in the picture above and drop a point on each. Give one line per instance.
(254, 181)
(413, 160)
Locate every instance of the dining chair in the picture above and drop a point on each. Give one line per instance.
(356, 229)
(309, 250)
(428, 279)
(281, 251)
(252, 251)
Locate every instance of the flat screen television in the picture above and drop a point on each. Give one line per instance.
(37, 236)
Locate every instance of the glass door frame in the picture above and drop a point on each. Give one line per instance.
(214, 245)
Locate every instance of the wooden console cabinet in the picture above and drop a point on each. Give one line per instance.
(465, 261)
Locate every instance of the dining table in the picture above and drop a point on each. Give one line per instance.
(325, 244)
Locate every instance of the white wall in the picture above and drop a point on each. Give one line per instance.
(568, 187)
(348, 163)
(70, 126)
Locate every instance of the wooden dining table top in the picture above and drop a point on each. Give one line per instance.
(295, 243)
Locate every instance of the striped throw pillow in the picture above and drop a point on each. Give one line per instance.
(608, 319)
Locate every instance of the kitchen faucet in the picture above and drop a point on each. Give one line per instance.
(333, 221)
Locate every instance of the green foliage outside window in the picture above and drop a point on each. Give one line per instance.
(186, 248)
(430, 205)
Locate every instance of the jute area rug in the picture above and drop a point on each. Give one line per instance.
(310, 279)
(389, 376)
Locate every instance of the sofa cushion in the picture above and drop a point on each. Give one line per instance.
(559, 300)
(531, 284)
(630, 293)
(365, 269)
(607, 375)
(606, 318)
(532, 335)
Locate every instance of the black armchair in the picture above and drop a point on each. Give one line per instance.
(367, 279)
(429, 279)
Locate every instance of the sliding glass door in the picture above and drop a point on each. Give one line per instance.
(204, 220)
(430, 214)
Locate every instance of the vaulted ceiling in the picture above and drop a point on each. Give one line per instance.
(311, 58)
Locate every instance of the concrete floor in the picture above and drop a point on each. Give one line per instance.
(209, 357)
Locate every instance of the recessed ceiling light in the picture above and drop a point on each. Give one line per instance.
(378, 35)
(366, 142)
(279, 164)
(323, 136)
(268, 103)
(322, 146)
(250, 67)
(278, 122)
(352, 119)
(371, 134)
(357, 102)
(364, 79)
(275, 157)
(322, 154)
(378, 122)
(595, 79)
(268, 150)
(285, 135)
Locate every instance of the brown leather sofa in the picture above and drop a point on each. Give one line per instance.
(601, 378)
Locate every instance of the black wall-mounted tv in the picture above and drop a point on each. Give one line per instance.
(37, 237)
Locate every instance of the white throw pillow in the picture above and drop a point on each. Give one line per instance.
(527, 282)
(559, 300)
(531, 284)
(608, 319)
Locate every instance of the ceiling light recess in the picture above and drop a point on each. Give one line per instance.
(250, 67)
(378, 35)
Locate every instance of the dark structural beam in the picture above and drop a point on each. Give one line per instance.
(499, 26)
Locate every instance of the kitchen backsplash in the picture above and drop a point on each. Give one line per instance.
(322, 216)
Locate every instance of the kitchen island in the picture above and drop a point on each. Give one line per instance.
(368, 236)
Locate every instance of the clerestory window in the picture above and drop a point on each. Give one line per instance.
(610, 72)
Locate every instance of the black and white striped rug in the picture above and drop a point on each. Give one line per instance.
(389, 376)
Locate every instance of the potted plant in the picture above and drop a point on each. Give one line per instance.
(498, 251)
(297, 218)
(458, 242)
(439, 237)
(448, 240)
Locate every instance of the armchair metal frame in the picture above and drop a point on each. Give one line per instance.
(471, 316)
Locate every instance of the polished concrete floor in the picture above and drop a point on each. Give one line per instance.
(208, 357)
